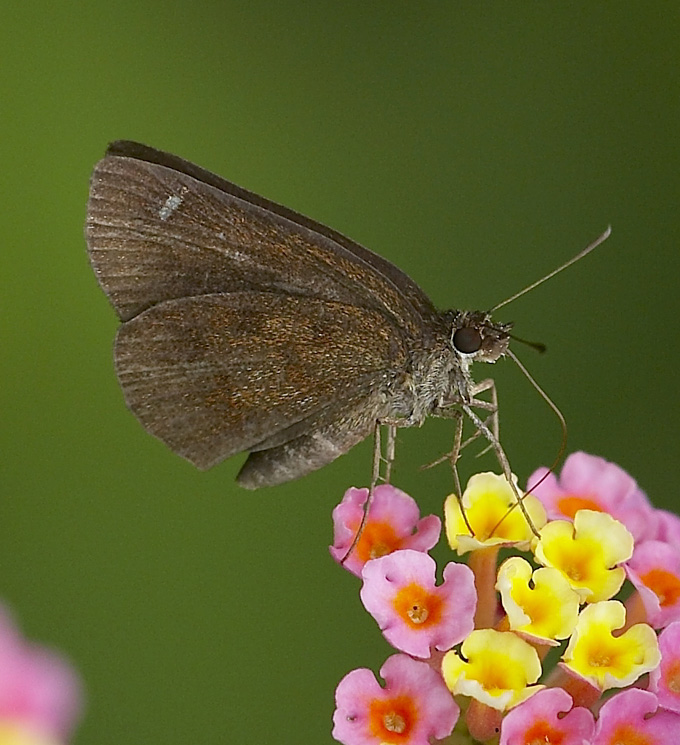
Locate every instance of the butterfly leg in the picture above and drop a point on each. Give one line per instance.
(454, 413)
(502, 459)
(451, 410)
(492, 406)
(390, 450)
(378, 460)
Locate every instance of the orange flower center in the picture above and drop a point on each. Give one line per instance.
(417, 606)
(391, 720)
(626, 735)
(672, 677)
(600, 659)
(664, 584)
(531, 602)
(570, 504)
(394, 722)
(541, 733)
(575, 562)
(377, 539)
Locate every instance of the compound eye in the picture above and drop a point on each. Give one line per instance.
(467, 340)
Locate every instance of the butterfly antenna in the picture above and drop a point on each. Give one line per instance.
(558, 414)
(573, 260)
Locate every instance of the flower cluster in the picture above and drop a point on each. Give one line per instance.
(472, 662)
(40, 693)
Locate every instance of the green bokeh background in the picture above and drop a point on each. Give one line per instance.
(476, 145)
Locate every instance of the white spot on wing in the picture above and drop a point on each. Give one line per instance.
(232, 253)
(171, 204)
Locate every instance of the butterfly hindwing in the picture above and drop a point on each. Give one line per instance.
(218, 374)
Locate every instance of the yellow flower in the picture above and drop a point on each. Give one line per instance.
(587, 552)
(499, 669)
(541, 605)
(491, 508)
(605, 660)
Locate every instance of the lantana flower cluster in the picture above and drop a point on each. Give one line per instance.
(571, 636)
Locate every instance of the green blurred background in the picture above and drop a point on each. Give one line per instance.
(476, 145)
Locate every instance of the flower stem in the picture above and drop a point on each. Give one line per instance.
(483, 565)
(582, 691)
(635, 611)
(483, 722)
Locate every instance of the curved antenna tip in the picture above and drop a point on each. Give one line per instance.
(590, 247)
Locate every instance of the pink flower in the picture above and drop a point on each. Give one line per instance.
(414, 614)
(654, 569)
(393, 522)
(547, 717)
(413, 707)
(632, 716)
(592, 483)
(665, 679)
(667, 527)
(37, 686)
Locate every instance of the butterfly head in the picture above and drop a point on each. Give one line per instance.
(476, 338)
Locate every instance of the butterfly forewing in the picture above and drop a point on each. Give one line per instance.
(156, 233)
(406, 286)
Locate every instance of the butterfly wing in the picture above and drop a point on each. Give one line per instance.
(247, 326)
(160, 228)
(279, 374)
(313, 449)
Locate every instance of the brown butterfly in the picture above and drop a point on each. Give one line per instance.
(248, 327)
